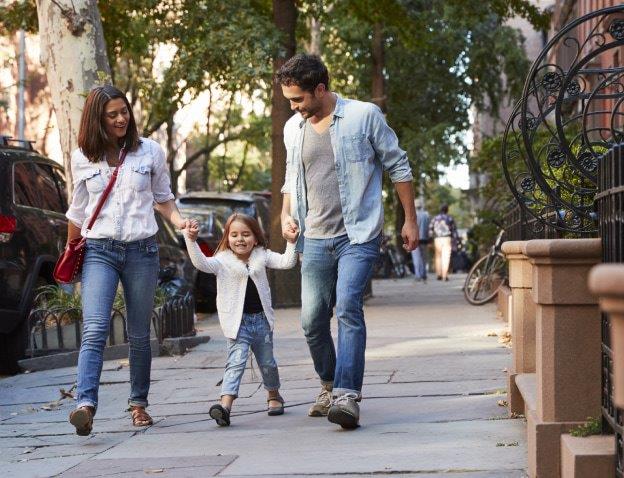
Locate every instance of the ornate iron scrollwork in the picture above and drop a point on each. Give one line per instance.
(570, 114)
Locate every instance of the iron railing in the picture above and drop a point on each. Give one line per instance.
(610, 206)
(60, 330)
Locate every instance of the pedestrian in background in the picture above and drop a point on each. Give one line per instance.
(244, 305)
(444, 233)
(121, 246)
(419, 255)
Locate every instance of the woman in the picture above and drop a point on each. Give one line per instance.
(121, 246)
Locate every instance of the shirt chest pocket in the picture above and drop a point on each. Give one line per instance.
(94, 180)
(356, 148)
(140, 176)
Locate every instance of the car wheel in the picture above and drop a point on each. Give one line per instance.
(13, 348)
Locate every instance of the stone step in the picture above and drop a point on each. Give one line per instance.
(527, 384)
(588, 457)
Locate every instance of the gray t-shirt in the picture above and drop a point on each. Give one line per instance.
(324, 219)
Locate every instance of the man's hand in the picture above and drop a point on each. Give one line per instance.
(290, 229)
(409, 233)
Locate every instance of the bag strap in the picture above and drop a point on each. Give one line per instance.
(109, 187)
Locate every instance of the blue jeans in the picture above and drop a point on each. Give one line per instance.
(419, 259)
(255, 334)
(107, 262)
(335, 272)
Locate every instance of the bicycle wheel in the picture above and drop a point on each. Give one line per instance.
(484, 279)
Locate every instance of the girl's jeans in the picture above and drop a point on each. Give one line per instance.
(255, 334)
(107, 262)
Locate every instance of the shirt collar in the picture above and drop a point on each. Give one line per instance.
(338, 110)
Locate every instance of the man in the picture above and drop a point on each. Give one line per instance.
(445, 233)
(419, 255)
(336, 151)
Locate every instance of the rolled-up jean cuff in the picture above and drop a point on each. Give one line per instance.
(337, 392)
(86, 403)
(272, 389)
(137, 403)
(231, 394)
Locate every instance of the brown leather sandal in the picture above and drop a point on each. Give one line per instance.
(276, 410)
(140, 418)
(82, 419)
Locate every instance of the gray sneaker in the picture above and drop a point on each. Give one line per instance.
(322, 403)
(345, 411)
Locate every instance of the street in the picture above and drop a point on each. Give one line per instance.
(434, 386)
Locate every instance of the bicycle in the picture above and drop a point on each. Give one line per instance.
(487, 275)
(390, 263)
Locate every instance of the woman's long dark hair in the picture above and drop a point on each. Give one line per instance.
(92, 137)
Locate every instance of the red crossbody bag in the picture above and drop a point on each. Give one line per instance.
(69, 264)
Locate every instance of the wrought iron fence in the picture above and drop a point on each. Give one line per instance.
(610, 206)
(519, 226)
(59, 330)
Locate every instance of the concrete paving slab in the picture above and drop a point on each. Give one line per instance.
(179, 467)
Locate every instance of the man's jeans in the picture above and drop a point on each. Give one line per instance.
(107, 262)
(255, 334)
(335, 272)
(419, 259)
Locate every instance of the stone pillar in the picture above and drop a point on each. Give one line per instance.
(522, 322)
(568, 369)
(607, 282)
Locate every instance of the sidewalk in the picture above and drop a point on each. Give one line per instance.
(434, 375)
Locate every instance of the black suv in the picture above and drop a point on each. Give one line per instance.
(33, 233)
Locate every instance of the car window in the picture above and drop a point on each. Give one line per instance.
(48, 189)
(24, 186)
(59, 176)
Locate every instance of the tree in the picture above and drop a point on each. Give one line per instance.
(285, 18)
(74, 55)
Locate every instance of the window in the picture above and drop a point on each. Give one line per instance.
(49, 191)
(38, 185)
(24, 187)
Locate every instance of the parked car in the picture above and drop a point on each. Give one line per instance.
(33, 233)
(212, 209)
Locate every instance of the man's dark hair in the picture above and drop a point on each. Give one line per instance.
(304, 71)
(444, 209)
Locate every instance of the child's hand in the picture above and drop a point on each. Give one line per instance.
(192, 230)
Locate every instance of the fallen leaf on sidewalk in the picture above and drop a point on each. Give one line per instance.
(28, 450)
(502, 403)
(492, 334)
(155, 470)
(124, 362)
(50, 406)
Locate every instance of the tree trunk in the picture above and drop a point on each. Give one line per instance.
(285, 284)
(74, 55)
(285, 19)
(378, 83)
(314, 47)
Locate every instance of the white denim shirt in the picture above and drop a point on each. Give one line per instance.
(128, 213)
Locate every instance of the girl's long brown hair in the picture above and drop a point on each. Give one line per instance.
(250, 222)
(92, 137)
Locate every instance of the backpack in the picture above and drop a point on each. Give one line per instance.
(441, 227)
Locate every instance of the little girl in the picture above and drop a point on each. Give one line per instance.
(243, 305)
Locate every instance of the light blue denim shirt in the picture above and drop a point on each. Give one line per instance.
(364, 146)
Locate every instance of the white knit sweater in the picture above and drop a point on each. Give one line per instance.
(232, 275)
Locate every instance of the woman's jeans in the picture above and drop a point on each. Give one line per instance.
(255, 334)
(335, 272)
(107, 262)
